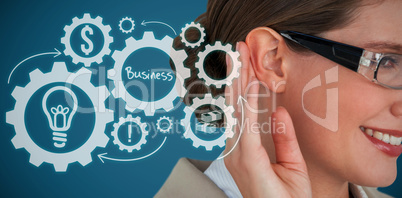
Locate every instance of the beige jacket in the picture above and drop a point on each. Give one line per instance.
(188, 180)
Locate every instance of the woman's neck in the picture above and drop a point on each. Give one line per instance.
(324, 184)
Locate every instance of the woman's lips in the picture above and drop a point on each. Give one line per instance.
(387, 141)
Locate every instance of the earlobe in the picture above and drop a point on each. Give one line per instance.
(266, 54)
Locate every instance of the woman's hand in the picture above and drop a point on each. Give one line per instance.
(249, 163)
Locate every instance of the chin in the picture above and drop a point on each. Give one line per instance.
(380, 174)
(368, 165)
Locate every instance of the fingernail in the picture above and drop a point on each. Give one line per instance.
(237, 46)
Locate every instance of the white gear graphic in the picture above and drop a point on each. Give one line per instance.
(66, 40)
(165, 45)
(200, 29)
(144, 133)
(81, 79)
(230, 122)
(129, 20)
(236, 64)
(158, 124)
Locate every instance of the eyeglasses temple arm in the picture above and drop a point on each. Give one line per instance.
(346, 55)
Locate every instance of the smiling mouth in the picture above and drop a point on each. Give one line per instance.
(385, 140)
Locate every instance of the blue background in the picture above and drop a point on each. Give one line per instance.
(33, 27)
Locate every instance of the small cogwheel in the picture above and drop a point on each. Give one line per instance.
(200, 29)
(236, 64)
(66, 40)
(128, 19)
(167, 129)
(142, 127)
(229, 117)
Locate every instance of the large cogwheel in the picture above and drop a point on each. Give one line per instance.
(236, 64)
(142, 127)
(165, 45)
(229, 119)
(81, 79)
(105, 29)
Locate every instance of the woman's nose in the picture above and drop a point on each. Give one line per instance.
(396, 109)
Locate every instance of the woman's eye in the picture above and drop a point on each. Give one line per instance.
(389, 63)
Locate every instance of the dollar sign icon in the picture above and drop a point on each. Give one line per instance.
(87, 40)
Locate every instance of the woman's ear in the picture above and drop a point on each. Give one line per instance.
(266, 48)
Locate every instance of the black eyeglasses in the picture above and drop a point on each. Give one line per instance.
(383, 69)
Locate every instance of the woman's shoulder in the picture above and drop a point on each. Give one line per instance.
(188, 180)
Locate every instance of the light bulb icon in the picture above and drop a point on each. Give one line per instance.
(59, 117)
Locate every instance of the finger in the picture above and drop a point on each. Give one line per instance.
(251, 134)
(245, 60)
(287, 148)
(238, 87)
(231, 93)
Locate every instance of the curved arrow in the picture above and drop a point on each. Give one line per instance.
(240, 101)
(57, 53)
(102, 156)
(145, 24)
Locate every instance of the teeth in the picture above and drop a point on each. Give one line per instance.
(385, 138)
(389, 139)
(369, 132)
(395, 140)
(378, 135)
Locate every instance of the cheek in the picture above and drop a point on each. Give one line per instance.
(360, 101)
(346, 152)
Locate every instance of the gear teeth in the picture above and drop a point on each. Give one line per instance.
(60, 68)
(108, 28)
(130, 41)
(111, 73)
(17, 143)
(103, 141)
(34, 74)
(117, 54)
(196, 145)
(148, 35)
(87, 16)
(75, 20)
(208, 147)
(36, 162)
(85, 160)
(10, 117)
(18, 91)
(167, 39)
(60, 167)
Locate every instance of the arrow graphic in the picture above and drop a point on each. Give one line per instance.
(103, 155)
(149, 22)
(240, 101)
(56, 54)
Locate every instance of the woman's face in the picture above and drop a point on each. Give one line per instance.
(348, 153)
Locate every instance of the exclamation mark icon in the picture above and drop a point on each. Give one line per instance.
(130, 131)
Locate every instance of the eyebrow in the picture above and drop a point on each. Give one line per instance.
(395, 47)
